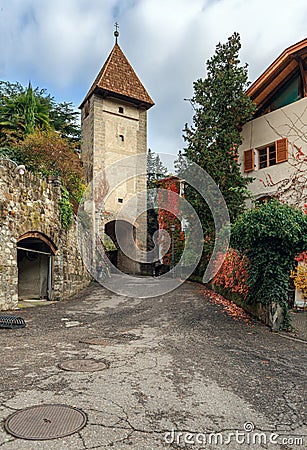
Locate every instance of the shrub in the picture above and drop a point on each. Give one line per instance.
(49, 154)
(270, 235)
(46, 152)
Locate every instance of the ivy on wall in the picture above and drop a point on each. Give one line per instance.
(168, 201)
(66, 210)
(233, 273)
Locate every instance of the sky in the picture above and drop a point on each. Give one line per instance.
(61, 45)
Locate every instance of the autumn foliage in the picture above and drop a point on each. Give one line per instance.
(233, 273)
(168, 201)
(48, 153)
(299, 276)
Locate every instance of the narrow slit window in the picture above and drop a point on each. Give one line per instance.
(121, 137)
(121, 110)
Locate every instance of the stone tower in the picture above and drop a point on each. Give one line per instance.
(114, 126)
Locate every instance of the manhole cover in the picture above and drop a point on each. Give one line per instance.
(83, 365)
(45, 422)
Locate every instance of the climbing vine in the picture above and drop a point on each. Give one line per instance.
(233, 273)
(66, 210)
(168, 200)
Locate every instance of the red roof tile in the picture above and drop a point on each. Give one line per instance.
(118, 77)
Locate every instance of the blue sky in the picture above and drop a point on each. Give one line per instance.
(61, 45)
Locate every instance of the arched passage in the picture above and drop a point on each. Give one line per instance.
(35, 253)
(127, 233)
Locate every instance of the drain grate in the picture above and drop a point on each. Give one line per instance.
(128, 337)
(44, 422)
(95, 342)
(83, 365)
(12, 322)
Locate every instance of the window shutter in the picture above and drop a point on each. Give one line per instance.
(249, 160)
(281, 150)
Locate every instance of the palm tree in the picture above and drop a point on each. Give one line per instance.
(20, 115)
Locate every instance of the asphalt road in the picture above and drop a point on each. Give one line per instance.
(180, 373)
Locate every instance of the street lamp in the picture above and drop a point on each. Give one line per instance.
(20, 169)
(173, 248)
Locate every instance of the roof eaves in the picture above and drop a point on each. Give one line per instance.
(274, 68)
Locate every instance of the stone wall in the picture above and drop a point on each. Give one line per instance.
(29, 209)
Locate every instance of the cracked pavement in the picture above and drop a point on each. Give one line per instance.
(176, 362)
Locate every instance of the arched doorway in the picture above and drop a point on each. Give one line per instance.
(127, 233)
(35, 253)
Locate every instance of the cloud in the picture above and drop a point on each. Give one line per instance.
(54, 41)
(61, 45)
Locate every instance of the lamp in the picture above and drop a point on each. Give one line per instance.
(19, 169)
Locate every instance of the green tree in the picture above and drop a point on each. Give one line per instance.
(155, 168)
(65, 118)
(21, 111)
(155, 171)
(221, 109)
(30, 109)
(24, 109)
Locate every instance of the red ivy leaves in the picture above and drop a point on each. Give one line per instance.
(233, 273)
(168, 201)
(236, 312)
(302, 257)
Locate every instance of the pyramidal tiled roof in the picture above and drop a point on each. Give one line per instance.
(118, 77)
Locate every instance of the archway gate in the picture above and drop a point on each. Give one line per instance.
(35, 255)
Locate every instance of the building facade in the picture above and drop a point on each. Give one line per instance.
(274, 148)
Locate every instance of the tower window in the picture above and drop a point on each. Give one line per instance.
(121, 110)
(121, 137)
(120, 200)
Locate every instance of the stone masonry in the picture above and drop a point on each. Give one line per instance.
(114, 127)
(29, 206)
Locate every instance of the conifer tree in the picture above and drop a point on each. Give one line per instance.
(155, 171)
(221, 109)
(30, 104)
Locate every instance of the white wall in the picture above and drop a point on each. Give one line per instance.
(288, 180)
